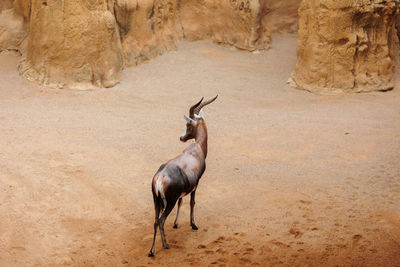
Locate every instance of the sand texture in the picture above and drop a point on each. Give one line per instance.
(292, 179)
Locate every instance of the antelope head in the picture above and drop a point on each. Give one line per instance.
(195, 118)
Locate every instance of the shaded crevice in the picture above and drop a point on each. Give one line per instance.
(178, 9)
(353, 71)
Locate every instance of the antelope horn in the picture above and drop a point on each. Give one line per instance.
(203, 104)
(193, 108)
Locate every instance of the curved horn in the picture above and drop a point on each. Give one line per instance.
(203, 104)
(192, 108)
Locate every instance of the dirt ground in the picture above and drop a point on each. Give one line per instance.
(292, 178)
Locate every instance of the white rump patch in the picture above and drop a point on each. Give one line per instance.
(160, 188)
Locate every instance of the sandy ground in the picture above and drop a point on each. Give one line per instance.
(292, 178)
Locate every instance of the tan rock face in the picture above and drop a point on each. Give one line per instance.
(147, 28)
(398, 24)
(345, 46)
(86, 43)
(23, 7)
(279, 16)
(245, 24)
(12, 30)
(6, 4)
(73, 43)
(231, 22)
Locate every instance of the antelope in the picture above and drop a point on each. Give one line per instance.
(180, 176)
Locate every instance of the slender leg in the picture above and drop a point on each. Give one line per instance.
(192, 202)
(156, 223)
(164, 215)
(177, 213)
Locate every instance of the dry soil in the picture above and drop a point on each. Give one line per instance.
(292, 178)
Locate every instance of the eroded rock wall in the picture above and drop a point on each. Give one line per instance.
(279, 16)
(345, 46)
(12, 27)
(231, 22)
(6, 4)
(86, 43)
(73, 43)
(245, 24)
(83, 44)
(147, 28)
(23, 8)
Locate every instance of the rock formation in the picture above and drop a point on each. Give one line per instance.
(345, 46)
(86, 43)
(244, 24)
(12, 27)
(232, 22)
(147, 28)
(279, 16)
(72, 43)
(6, 4)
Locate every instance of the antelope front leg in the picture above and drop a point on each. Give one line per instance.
(192, 202)
(177, 213)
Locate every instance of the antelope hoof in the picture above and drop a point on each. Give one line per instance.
(166, 246)
(175, 226)
(151, 254)
(194, 227)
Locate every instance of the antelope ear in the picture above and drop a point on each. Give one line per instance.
(189, 120)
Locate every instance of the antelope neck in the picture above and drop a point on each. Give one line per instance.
(201, 137)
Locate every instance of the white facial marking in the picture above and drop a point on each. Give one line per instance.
(189, 120)
(183, 134)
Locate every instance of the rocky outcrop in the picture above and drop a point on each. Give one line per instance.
(72, 43)
(231, 22)
(147, 28)
(244, 24)
(279, 16)
(345, 46)
(86, 43)
(6, 4)
(398, 24)
(23, 8)
(12, 30)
